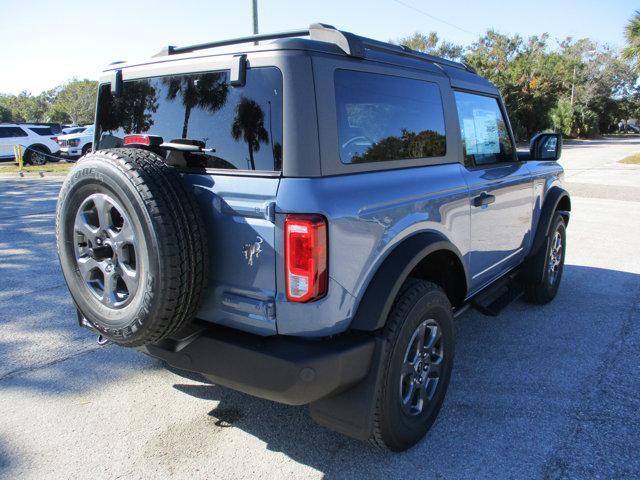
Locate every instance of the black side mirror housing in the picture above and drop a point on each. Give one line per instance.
(546, 146)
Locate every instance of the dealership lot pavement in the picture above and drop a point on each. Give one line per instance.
(548, 391)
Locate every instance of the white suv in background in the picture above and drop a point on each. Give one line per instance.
(38, 142)
(75, 145)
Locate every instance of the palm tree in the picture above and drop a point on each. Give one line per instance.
(208, 91)
(133, 111)
(249, 124)
(632, 34)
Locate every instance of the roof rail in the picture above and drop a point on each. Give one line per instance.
(171, 50)
(350, 44)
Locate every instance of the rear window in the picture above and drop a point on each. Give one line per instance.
(10, 132)
(241, 125)
(382, 117)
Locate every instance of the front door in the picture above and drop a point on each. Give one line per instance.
(500, 189)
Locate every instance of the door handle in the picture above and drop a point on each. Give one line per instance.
(483, 199)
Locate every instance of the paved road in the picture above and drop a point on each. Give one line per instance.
(549, 392)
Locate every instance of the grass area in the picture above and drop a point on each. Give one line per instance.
(633, 159)
(59, 167)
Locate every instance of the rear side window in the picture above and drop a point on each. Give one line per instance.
(10, 132)
(42, 130)
(485, 136)
(382, 117)
(240, 127)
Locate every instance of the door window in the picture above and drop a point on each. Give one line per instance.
(10, 132)
(485, 136)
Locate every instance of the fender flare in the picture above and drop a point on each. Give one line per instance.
(550, 205)
(381, 292)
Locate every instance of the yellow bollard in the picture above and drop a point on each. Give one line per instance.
(17, 151)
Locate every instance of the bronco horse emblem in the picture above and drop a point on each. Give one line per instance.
(251, 250)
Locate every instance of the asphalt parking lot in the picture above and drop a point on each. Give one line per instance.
(537, 392)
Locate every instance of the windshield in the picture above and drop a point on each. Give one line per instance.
(239, 127)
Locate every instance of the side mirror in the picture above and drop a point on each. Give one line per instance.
(546, 146)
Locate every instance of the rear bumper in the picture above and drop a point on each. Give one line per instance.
(289, 370)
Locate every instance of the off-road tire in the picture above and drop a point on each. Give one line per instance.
(393, 429)
(539, 286)
(173, 247)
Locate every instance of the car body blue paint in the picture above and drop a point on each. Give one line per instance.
(368, 215)
(370, 208)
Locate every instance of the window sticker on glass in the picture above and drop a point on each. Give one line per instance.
(481, 133)
(485, 134)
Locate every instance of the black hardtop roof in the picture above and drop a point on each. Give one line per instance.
(323, 38)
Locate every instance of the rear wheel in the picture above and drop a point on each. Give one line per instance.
(36, 155)
(132, 245)
(419, 350)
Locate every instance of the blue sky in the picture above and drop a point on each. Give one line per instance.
(45, 43)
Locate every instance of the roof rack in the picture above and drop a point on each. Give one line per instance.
(350, 44)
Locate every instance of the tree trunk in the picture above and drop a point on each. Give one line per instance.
(185, 125)
(251, 162)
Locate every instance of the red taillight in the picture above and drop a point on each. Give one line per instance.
(55, 139)
(143, 139)
(137, 140)
(305, 251)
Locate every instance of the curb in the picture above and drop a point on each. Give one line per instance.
(32, 176)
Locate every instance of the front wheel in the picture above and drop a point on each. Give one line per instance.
(547, 265)
(86, 149)
(419, 350)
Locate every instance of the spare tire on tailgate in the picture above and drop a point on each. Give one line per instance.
(132, 245)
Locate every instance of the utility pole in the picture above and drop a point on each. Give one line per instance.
(254, 9)
(573, 84)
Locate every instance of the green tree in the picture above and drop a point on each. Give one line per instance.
(78, 100)
(524, 72)
(408, 145)
(562, 117)
(248, 124)
(632, 35)
(25, 107)
(208, 91)
(132, 111)
(5, 114)
(432, 45)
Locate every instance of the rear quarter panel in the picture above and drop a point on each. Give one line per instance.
(368, 215)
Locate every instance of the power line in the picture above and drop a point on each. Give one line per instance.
(475, 34)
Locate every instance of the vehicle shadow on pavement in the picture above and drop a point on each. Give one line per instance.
(5, 461)
(521, 402)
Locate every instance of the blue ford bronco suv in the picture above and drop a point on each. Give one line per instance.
(300, 216)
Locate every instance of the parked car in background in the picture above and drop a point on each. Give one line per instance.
(38, 142)
(73, 129)
(77, 144)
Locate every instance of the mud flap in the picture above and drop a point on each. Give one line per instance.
(351, 412)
